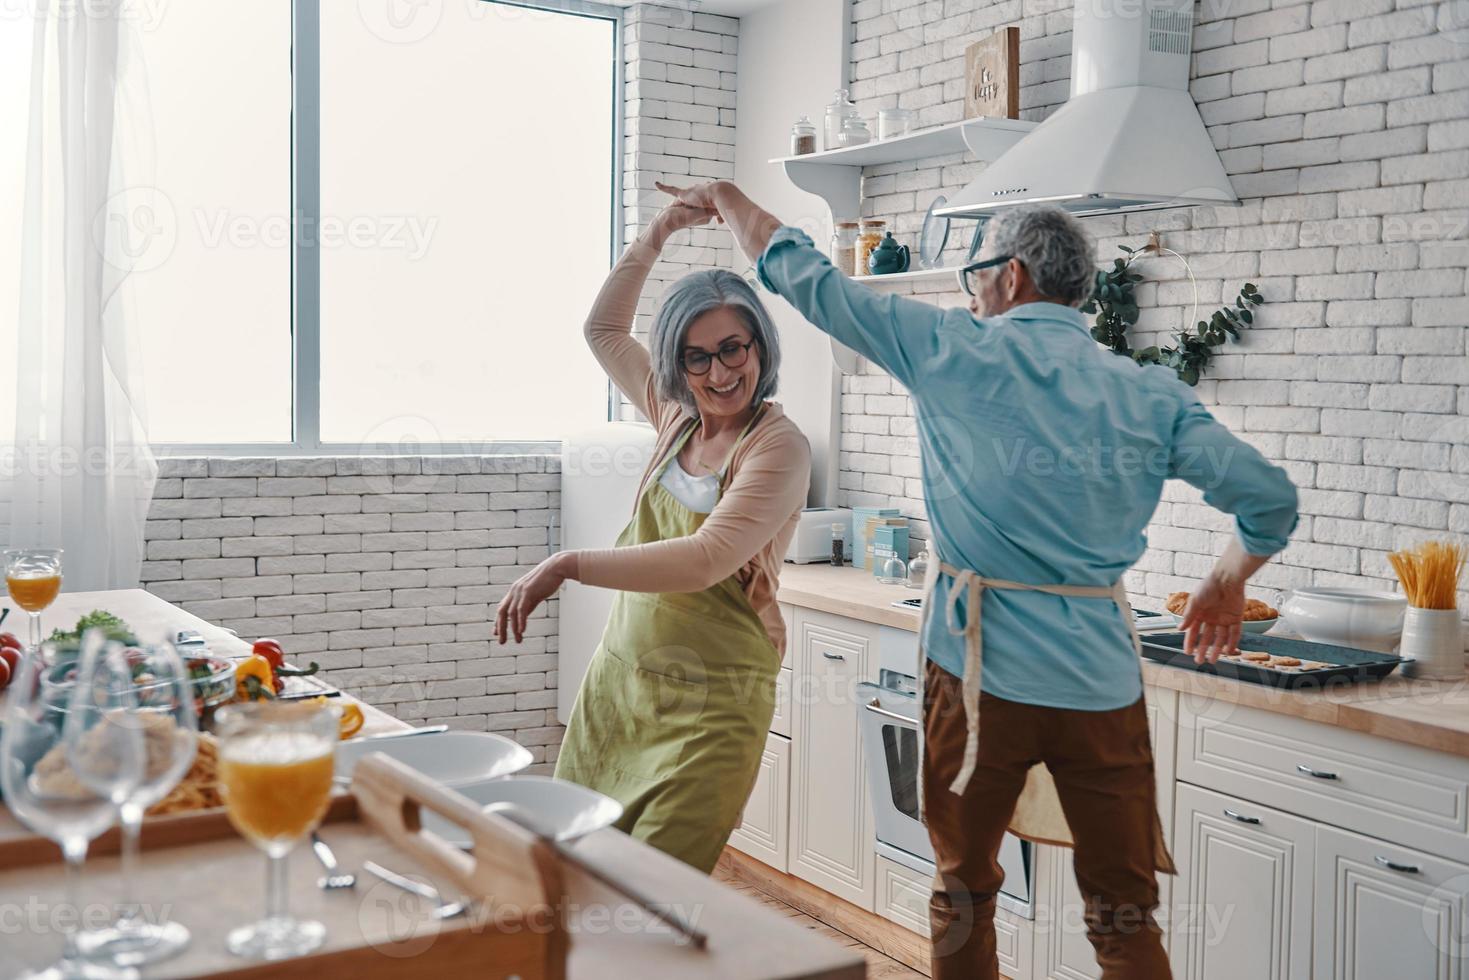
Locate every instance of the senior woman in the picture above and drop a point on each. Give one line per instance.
(674, 710)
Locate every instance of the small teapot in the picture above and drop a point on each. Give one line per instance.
(888, 257)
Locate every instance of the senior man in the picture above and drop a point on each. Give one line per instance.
(1044, 457)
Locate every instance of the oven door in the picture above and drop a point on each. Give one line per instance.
(890, 744)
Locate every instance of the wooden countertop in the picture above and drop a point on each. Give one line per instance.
(1428, 714)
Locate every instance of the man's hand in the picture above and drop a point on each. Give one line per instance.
(700, 196)
(1211, 621)
(529, 591)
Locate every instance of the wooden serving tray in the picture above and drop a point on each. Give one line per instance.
(196, 870)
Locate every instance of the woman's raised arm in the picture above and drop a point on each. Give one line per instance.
(609, 326)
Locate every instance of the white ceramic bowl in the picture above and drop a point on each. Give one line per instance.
(1361, 618)
(565, 811)
(1259, 625)
(452, 758)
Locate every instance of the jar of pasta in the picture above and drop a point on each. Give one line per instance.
(868, 238)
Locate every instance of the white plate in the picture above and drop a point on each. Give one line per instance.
(452, 758)
(566, 811)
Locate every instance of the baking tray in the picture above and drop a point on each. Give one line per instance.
(1351, 664)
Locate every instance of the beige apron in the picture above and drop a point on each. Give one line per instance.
(1038, 815)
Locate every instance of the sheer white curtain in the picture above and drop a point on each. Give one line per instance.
(79, 473)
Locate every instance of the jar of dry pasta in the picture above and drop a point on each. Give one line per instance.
(868, 238)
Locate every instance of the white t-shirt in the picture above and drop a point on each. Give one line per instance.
(698, 493)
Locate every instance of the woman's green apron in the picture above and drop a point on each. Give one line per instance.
(673, 713)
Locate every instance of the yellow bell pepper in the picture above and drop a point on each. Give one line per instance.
(258, 669)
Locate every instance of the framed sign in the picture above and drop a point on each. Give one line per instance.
(992, 76)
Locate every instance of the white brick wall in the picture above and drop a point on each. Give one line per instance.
(386, 571)
(1345, 127)
(679, 122)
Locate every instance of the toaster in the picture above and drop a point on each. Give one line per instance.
(812, 540)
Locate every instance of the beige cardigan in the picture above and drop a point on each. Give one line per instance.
(747, 533)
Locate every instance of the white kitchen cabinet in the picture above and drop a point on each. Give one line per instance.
(780, 721)
(831, 831)
(1242, 905)
(902, 895)
(1364, 783)
(1384, 911)
(763, 832)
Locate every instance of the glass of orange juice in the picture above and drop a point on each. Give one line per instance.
(275, 773)
(33, 576)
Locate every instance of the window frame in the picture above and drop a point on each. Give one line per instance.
(305, 206)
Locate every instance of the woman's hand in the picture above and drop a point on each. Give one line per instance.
(1211, 620)
(701, 196)
(529, 591)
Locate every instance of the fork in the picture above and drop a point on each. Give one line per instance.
(332, 881)
(441, 909)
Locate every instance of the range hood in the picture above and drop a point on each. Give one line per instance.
(1129, 138)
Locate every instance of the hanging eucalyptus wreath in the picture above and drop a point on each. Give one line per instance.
(1114, 301)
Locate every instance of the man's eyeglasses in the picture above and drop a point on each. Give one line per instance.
(966, 274)
(731, 355)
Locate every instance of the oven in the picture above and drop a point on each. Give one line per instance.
(889, 714)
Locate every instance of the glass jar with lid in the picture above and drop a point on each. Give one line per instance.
(918, 569)
(854, 132)
(803, 137)
(868, 238)
(844, 247)
(894, 122)
(892, 571)
(837, 113)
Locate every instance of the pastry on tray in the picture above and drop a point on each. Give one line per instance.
(1255, 610)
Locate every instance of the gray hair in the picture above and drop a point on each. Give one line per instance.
(1052, 245)
(690, 298)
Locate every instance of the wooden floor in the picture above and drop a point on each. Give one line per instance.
(879, 967)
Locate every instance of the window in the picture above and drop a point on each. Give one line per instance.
(466, 160)
(212, 284)
(423, 278)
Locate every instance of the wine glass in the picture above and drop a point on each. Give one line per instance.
(33, 576)
(142, 696)
(44, 794)
(275, 774)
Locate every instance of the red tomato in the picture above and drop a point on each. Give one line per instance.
(9, 641)
(270, 650)
(4, 674)
(11, 658)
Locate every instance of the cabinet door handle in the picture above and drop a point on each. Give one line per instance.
(1315, 773)
(832, 656)
(1407, 869)
(1240, 816)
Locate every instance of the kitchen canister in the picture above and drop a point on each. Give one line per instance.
(1433, 644)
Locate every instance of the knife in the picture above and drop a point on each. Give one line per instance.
(402, 733)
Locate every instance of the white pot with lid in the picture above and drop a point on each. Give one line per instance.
(1363, 618)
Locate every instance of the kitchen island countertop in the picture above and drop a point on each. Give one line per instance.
(1428, 714)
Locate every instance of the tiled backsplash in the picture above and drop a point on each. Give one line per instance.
(1342, 125)
(386, 571)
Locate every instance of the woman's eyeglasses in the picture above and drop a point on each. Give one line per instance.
(966, 274)
(731, 355)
